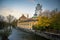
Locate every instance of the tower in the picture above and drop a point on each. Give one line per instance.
(38, 10)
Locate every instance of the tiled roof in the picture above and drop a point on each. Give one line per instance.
(23, 17)
(30, 19)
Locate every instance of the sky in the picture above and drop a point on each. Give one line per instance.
(18, 7)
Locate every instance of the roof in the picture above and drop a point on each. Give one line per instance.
(23, 17)
(29, 20)
(34, 17)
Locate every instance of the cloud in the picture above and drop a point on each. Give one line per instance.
(4, 11)
(13, 11)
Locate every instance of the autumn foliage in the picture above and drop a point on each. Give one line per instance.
(51, 22)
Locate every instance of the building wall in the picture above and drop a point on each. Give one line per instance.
(27, 25)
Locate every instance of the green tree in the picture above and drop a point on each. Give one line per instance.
(14, 23)
(56, 21)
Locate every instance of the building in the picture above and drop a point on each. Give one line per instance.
(25, 22)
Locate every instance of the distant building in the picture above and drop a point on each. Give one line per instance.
(25, 22)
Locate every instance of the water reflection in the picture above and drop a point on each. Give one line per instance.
(20, 35)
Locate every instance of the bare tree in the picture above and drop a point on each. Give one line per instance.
(2, 21)
(1, 18)
(10, 19)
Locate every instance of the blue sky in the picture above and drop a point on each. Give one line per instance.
(26, 6)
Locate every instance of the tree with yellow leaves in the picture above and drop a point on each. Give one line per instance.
(44, 21)
(56, 21)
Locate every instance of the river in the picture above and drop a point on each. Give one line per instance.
(20, 35)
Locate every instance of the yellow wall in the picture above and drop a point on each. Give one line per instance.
(27, 25)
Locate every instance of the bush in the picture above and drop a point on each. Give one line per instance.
(41, 28)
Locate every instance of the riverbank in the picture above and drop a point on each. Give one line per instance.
(18, 34)
(48, 35)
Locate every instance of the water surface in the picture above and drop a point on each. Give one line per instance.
(20, 35)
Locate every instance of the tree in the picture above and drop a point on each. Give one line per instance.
(56, 21)
(2, 23)
(44, 21)
(10, 19)
(2, 18)
(14, 23)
